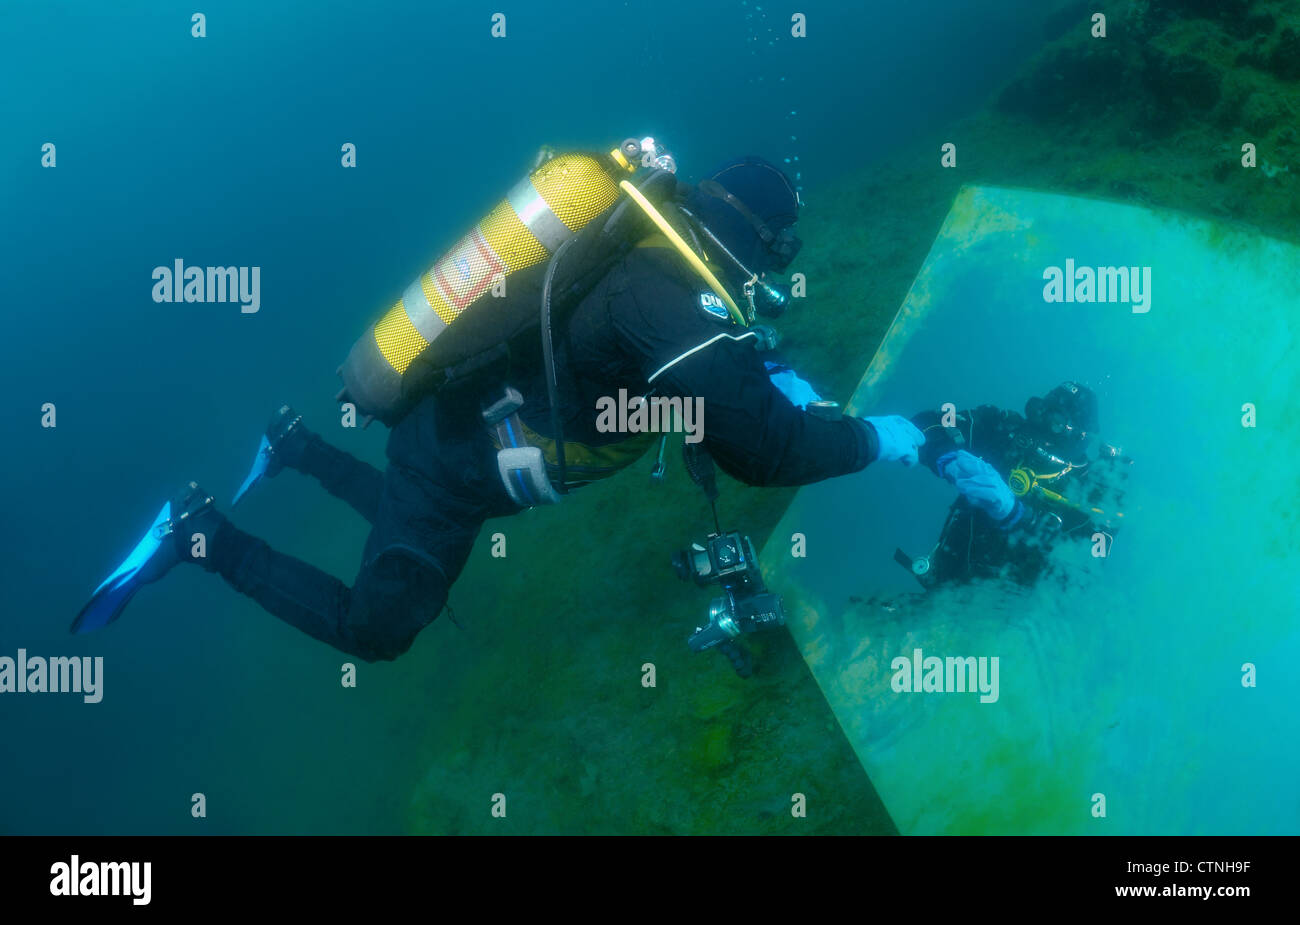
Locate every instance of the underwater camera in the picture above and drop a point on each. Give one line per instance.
(728, 560)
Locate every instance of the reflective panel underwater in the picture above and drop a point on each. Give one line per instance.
(1119, 693)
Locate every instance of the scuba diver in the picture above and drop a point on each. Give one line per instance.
(1023, 482)
(511, 426)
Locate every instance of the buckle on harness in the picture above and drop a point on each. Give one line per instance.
(510, 402)
(522, 467)
(523, 470)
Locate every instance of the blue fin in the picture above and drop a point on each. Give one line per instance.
(260, 462)
(116, 591)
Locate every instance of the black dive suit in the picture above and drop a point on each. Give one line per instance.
(648, 325)
(970, 544)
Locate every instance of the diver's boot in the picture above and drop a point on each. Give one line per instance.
(166, 543)
(193, 514)
(283, 444)
(288, 439)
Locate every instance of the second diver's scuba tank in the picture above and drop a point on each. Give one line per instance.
(460, 315)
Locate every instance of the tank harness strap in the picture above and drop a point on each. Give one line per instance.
(522, 467)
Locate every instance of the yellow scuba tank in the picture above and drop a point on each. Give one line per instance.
(485, 289)
(459, 315)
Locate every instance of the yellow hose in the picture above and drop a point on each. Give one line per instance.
(684, 249)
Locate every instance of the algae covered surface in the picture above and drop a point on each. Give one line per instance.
(541, 696)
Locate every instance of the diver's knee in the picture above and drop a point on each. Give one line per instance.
(382, 647)
(396, 598)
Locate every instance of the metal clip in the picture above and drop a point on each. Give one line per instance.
(660, 469)
(748, 290)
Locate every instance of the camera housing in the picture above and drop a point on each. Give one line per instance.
(729, 560)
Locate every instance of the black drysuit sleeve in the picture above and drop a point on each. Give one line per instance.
(750, 428)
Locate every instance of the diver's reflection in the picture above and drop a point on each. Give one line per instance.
(1025, 484)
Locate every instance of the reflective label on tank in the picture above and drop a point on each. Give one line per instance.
(467, 271)
(537, 215)
(421, 314)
